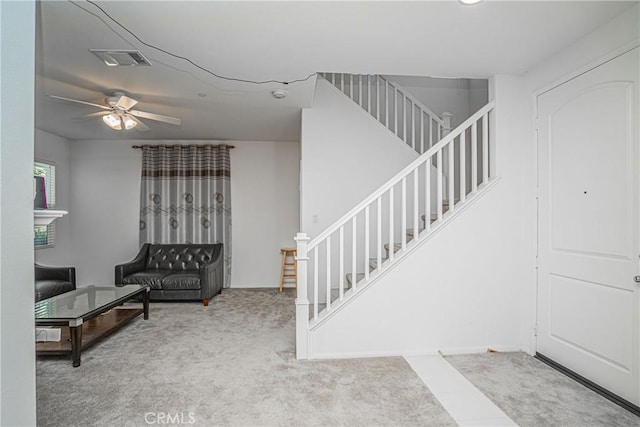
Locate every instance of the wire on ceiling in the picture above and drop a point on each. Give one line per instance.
(184, 58)
(156, 59)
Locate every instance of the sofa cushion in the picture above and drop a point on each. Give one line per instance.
(179, 257)
(186, 280)
(49, 288)
(152, 278)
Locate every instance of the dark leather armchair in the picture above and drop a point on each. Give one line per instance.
(176, 271)
(52, 281)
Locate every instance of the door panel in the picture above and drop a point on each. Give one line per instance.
(609, 339)
(588, 232)
(584, 193)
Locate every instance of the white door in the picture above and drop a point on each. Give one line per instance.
(588, 226)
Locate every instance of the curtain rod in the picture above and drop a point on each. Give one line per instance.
(139, 147)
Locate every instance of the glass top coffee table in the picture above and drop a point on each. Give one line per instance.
(90, 313)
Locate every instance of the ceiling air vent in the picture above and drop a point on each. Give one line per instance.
(120, 58)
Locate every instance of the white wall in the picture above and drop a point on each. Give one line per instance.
(104, 210)
(478, 94)
(52, 148)
(511, 130)
(346, 155)
(17, 349)
(623, 31)
(265, 198)
(460, 97)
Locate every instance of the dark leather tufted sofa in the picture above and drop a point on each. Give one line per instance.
(52, 281)
(176, 271)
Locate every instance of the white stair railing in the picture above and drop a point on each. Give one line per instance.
(393, 106)
(339, 262)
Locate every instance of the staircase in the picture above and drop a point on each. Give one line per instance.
(377, 234)
(401, 113)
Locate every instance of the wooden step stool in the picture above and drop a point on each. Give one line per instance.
(289, 268)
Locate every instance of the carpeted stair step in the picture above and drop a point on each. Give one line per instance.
(335, 295)
(434, 218)
(359, 277)
(397, 246)
(373, 263)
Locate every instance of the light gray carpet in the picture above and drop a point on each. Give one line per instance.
(231, 363)
(533, 394)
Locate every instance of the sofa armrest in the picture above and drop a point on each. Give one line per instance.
(68, 274)
(212, 274)
(133, 266)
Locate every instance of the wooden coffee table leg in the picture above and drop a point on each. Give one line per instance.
(76, 344)
(145, 303)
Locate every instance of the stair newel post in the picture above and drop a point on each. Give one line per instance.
(302, 299)
(446, 123)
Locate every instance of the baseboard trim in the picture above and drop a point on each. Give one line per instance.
(427, 352)
(590, 385)
(454, 351)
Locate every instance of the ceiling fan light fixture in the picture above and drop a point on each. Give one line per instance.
(113, 121)
(119, 114)
(129, 123)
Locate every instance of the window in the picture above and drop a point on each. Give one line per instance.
(44, 237)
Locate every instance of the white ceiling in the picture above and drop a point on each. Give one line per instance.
(282, 41)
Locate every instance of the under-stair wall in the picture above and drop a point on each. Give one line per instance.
(457, 293)
(345, 155)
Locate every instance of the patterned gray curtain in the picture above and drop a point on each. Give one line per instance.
(185, 196)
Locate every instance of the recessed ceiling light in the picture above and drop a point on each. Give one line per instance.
(469, 1)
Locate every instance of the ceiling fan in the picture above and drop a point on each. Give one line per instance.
(118, 114)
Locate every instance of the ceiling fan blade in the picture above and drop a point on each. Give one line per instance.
(104, 107)
(156, 117)
(96, 114)
(141, 126)
(125, 103)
